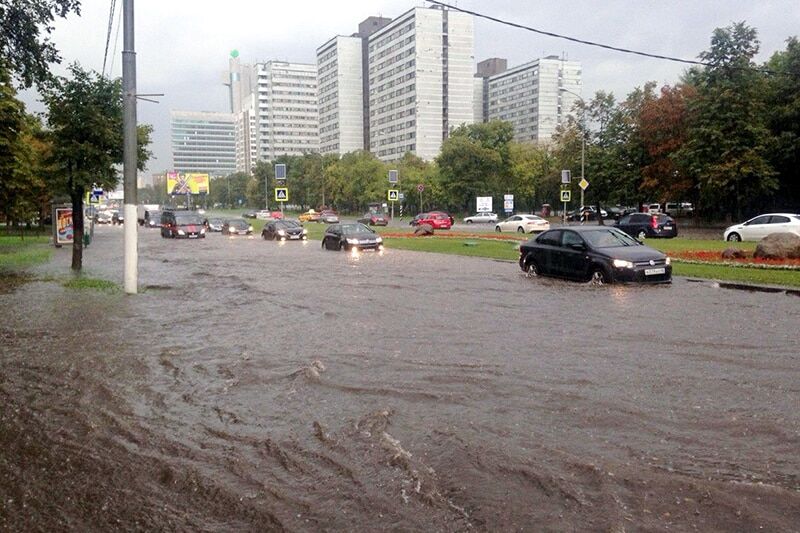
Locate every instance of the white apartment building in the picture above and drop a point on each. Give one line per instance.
(340, 95)
(535, 97)
(203, 142)
(287, 117)
(420, 82)
(275, 104)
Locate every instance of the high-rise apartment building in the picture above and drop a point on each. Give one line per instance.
(420, 82)
(275, 105)
(203, 142)
(535, 97)
(340, 95)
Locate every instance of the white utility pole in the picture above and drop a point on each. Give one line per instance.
(131, 255)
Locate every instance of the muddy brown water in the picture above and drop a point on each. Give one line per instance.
(254, 386)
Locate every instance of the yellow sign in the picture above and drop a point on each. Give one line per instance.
(393, 195)
(583, 183)
(281, 194)
(189, 183)
(566, 196)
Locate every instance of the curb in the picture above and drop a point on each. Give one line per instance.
(746, 287)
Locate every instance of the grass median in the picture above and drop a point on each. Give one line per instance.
(476, 246)
(18, 254)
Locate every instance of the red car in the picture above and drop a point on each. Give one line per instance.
(437, 220)
(374, 219)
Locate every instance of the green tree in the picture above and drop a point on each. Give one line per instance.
(25, 46)
(727, 137)
(475, 161)
(783, 121)
(85, 121)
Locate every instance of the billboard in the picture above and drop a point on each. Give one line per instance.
(193, 183)
(64, 229)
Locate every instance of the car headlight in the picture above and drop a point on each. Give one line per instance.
(249, 228)
(352, 241)
(621, 263)
(668, 261)
(305, 231)
(379, 239)
(281, 232)
(202, 231)
(180, 232)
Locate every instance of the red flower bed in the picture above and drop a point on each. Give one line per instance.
(716, 257)
(458, 235)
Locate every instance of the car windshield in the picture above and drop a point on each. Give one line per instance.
(352, 229)
(238, 223)
(188, 219)
(286, 224)
(608, 238)
(215, 221)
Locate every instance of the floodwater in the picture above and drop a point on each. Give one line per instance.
(254, 386)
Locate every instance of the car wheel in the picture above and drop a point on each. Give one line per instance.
(263, 235)
(734, 237)
(641, 236)
(531, 269)
(469, 222)
(599, 277)
(520, 230)
(497, 229)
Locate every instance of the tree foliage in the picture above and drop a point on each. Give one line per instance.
(86, 134)
(25, 46)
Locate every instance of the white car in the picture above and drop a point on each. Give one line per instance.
(759, 227)
(264, 214)
(481, 217)
(523, 224)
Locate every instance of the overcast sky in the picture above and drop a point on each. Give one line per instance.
(183, 45)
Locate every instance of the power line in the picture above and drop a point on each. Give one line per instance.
(108, 33)
(573, 39)
(116, 42)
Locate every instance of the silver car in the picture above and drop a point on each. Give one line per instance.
(481, 217)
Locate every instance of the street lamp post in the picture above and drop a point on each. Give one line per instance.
(583, 137)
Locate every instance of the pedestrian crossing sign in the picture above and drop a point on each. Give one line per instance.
(393, 195)
(566, 196)
(281, 194)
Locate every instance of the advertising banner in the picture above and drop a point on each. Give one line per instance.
(189, 183)
(64, 229)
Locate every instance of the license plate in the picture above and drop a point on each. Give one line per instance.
(654, 271)
(192, 236)
(667, 228)
(294, 236)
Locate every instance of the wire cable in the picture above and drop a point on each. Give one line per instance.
(573, 39)
(116, 42)
(108, 34)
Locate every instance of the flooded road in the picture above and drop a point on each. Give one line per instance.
(255, 386)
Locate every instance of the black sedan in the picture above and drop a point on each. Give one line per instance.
(595, 253)
(641, 225)
(351, 237)
(237, 226)
(284, 230)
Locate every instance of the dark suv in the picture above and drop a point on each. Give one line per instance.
(641, 225)
(182, 224)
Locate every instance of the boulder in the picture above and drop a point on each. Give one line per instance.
(778, 246)
(423, 230)
(733, 253)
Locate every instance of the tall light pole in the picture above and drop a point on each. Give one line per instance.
(131, 258)
(583, 136)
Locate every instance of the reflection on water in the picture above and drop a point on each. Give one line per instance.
(263, 386)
